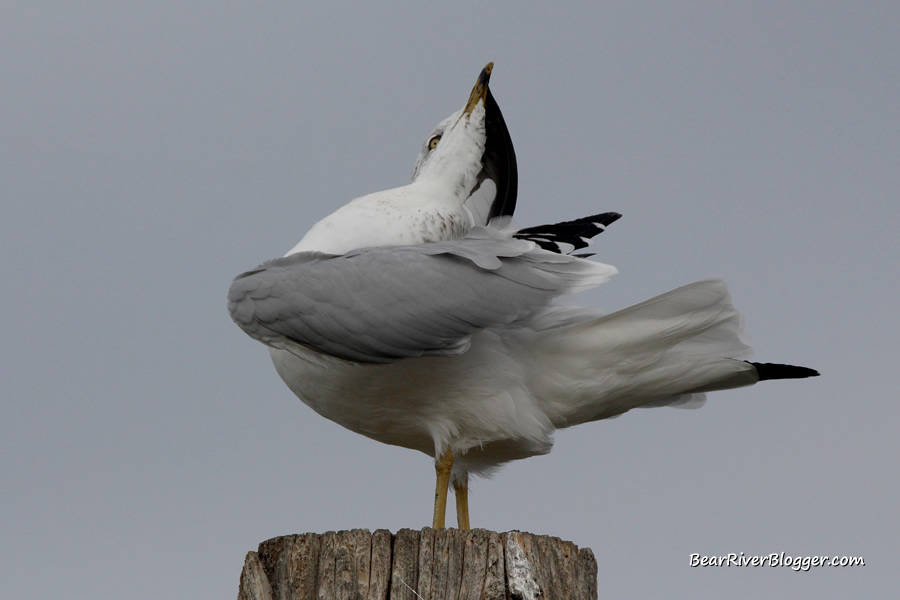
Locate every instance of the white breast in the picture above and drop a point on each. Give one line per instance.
(413, 214)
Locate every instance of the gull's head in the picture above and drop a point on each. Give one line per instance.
(471, 152)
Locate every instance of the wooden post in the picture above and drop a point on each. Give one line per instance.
(413, 565)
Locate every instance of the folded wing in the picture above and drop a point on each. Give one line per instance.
(380, 305)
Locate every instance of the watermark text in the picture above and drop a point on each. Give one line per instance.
(775, 559)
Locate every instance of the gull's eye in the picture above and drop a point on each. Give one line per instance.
(433, 142)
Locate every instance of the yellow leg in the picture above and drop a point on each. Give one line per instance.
(442, 467)
(462, 504)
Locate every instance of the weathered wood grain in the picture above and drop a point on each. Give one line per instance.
(429, 564)
(254, 583)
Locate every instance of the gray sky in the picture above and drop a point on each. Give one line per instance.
(151, 152)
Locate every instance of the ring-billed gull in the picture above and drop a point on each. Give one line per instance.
(419, 317)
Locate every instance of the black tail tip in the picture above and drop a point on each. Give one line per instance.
(777, 371)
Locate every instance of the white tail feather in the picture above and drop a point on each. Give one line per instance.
(666, 351)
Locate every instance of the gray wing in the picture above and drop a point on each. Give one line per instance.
(380, 305)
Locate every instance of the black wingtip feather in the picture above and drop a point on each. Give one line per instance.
(576, 234)
(499, 160)
(777, 371)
